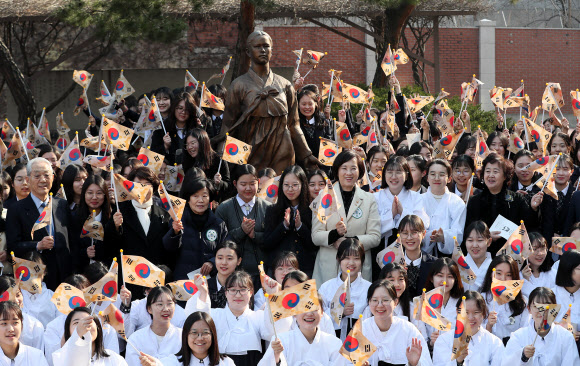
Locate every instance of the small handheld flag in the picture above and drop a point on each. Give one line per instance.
(391, 254)
(139, 271)
(104, 289)
(93, 228)
(183, 290)
(463, 332)
(298, 299)
(236, 151)
(356, 347)
(67, 298)
(32, 273)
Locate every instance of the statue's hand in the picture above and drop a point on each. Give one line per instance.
(310, 162)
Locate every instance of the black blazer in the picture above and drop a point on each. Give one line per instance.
(427, 261)
(573, 213)
(59, 261)
(553, 222)
(131, 236)
(101, 254)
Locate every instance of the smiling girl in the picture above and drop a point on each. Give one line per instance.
(228, 258)
(538, 272)
(477, 241)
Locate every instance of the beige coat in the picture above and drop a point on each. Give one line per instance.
(362, 221)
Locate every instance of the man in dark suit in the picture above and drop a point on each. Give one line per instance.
(57, 249)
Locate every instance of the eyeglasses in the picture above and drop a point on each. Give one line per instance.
(160, 306)
(95, 194)
(234, 292)
(462, 172)
(394, 173)
(379, 301)
(206, 334)
(294, 187)
(409, 234)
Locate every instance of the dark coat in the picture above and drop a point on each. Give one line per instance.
(59, 261)
(427, 261)
(554, 221)
(193, 248)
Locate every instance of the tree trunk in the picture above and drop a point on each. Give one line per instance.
(391, 26)
(18, 87)
(245, 28)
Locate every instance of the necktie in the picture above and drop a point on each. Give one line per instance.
(560, 203)
(217, 123)
(41, 208)
(247, 208)
(413, 274)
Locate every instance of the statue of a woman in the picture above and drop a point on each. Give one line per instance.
(261, 110)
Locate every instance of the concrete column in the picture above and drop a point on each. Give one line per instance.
(486, 61)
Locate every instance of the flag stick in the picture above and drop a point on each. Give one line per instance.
(550, 174)
(468, 191)
(348, 274)
(543, 319)
(22, 142)
(527, 135)
(299, 58)
(100, 134)
(543, 111)
(270, 313)
(121, 264)
(330, 88)
(304, 77)
(114, 188)
(220, 164)
(555, 102)
(50, 233)
(169, 202)
(42, 116)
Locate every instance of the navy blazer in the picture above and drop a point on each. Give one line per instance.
(59, 260)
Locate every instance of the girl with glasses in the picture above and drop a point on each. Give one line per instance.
(161, 338)
(446, 211)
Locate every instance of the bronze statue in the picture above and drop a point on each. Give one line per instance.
(261, 110)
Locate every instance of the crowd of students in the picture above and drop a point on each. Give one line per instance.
(226, 231)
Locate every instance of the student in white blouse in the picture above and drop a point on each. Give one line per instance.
(477, 241)
(199, 345)
(350, 257)
(484, 348)
(398, 342)
(13, 352)
(538, 272)
(534, 345)
(32, 329)
(39, 305)
(567, 287)
(395, 201)
(446, 210)
(161, 338)
(504, 319)
(444, 272)
(307, 344)
(84, 342)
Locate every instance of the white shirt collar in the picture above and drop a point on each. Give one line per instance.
(565, 190)
(213, 117)
(37, 201)
(416, 262)
(311, 121)
(242, 203)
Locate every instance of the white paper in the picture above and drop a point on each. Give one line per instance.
(191, 275)
(413, 137)
(504, 225)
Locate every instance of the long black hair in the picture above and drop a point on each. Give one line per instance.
(205, 154)
(303, 199)
(518, 304)
(404, 298)
(68, 178)
(83, 210)
(99, 345)
(184, 354)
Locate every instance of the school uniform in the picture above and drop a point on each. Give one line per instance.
(241, 337)
(362, 221)
(506, 323)
(412, 205)
(217, 293)
(173, 361)
(40, 305)
(77, 351)
(417, 273)
(139, 318)
(392, 344)
(397, 312)
(553, 213)
(447, 213)
(358, 296)
(32, 332)
(565, 298)
(26, 356)
(556, 348)
(259, 300)
(546, 279)
(153, 345)
(55, 330)
(478, 271)
(485, 349)
(299, 352)
(326, 325)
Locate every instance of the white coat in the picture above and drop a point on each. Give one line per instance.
(506, 323)
(392, 346)
(564, 298)
(485, 349)
(32, 332)
(479, 272)
(76, 352)
(546, 279)
(173, 361)
(40, 306)
(27, 356)
(447, 214)
(555, 349)
(299, 352)
(412, 205)
(146, 341)
(361, 221)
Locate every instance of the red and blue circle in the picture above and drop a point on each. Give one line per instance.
(519, 143)
(144, 159)
(462, 262)
(142, 270)
(326, 201)
(290, 301)
(576, 103)
(151, 116)
(329, 153)
(517, 246)
(61, 143)
(5, 296)
(41, 217)
(482, 148)
(389, 257)
(74, 154)
(342, 299)
(190, 287)
(366, 130)
(498, 290)
(568, 246)
(430, 313)
(436, 301)
(128, 185)
(76, 301)
(354, 93)
(113, 133)
(543, 161)
(373, 138)
(232, 149)
(272, 191)
(446, 140)
(80, 102)
(83, 76)
(535, 135)
(350, 344)
(345, 135)
(110, 289)
(120, 85)
(459, 328)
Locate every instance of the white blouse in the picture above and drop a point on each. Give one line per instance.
(358, 296)
(447, 214)
(27, 356)
(299, 352)
(564, 298)
(149, 343)
(556, 348)
(546, 279)
(412, 205)
(40, 306)
(77, 351)
(32, 332)
(392, 344)
(139, 318)
(173, 361)
(506, 323)
(478, 271)
(484, 349)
